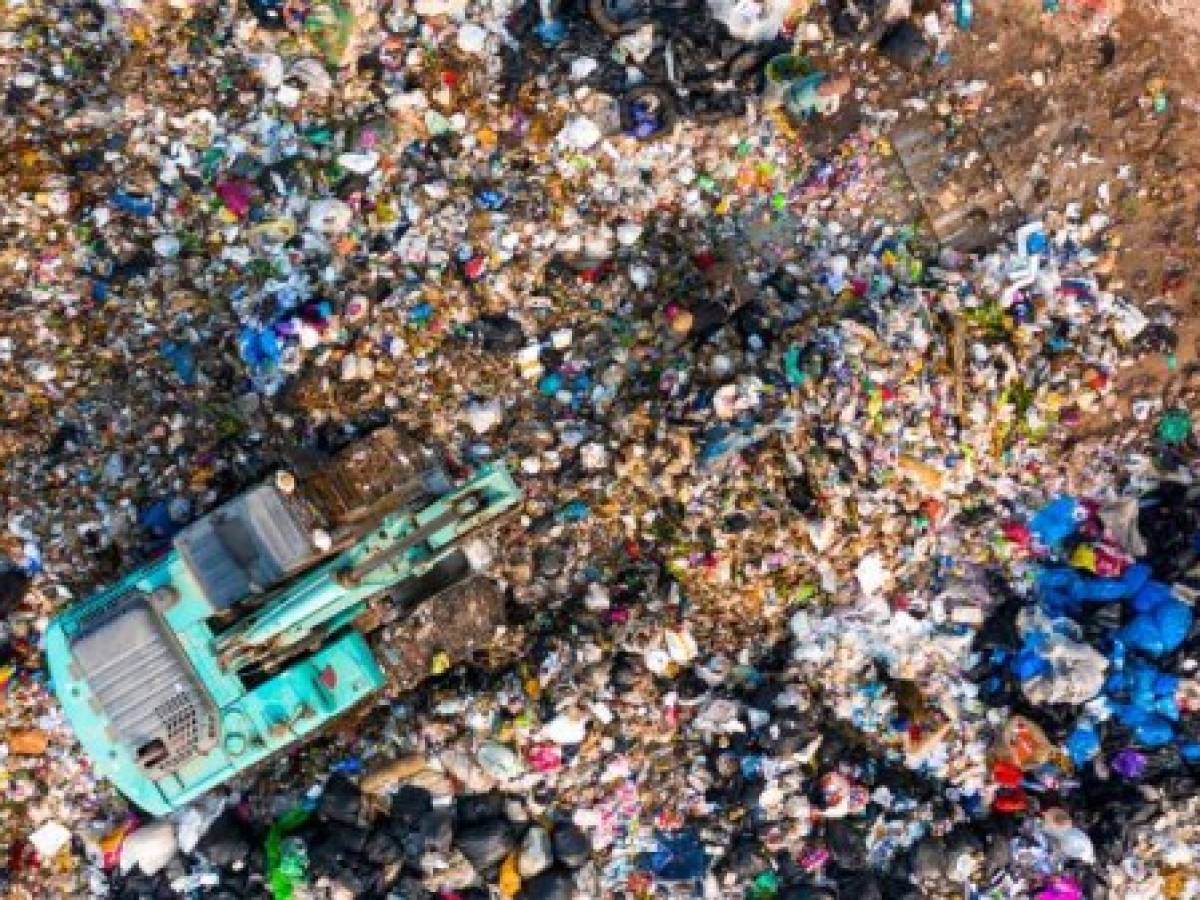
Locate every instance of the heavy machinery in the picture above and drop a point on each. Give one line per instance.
(261, 624)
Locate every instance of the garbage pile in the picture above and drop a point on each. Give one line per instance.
(844, 737)
(657, 63)
(344, 845)
(775, 447)
(890, 754)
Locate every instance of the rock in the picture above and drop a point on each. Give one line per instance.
(225, 843)
(27, 742)
(535, 856)
(485, 843)
(150, 847)
(340, 801)
(553, 884)
(571, 846)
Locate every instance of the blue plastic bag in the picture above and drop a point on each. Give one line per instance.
(1145, 687)
(259, 348)
(1149, 729)
(183, 358)
(1151, 595)
(1055, 522)
(134, 204)
(1063, 589)
(1028, 665)
(677, 856)
(1083, 744)
(1160, 630)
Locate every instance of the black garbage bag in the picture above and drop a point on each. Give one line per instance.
(475, 807)
(485, 842)
(846, 844)
(499, 333)
(226, 842)
(905, 45)
(861, 20)
(14, 584)
(1168, 521)
(553, 884)
(340, 801)
(435, 832)
(269, 13)
(409, 804)
(571, 845)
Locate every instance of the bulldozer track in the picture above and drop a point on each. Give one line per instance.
(961, 190)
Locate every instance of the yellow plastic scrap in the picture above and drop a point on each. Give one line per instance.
(533, 688)
(510, 879)
(1084, 558)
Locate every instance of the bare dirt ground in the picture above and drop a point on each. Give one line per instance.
(1098, 104)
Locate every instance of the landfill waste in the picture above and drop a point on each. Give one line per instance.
(857, 542)
(646, 65)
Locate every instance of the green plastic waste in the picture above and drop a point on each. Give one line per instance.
(287, 858)
(791, 366)
(1175, 427)
(764, 887)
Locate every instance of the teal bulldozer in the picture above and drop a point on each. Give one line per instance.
(260, 626)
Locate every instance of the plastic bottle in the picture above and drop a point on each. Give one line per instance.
(964, 13)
